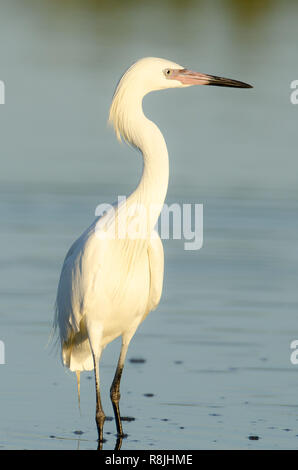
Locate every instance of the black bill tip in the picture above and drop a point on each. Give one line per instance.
(227, 82)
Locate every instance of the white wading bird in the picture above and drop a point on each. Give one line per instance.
(109, 284)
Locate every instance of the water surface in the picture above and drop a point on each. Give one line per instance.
(217, 351)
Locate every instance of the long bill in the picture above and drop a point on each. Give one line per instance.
(188, 77)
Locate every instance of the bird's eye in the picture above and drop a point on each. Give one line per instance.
(167, 72)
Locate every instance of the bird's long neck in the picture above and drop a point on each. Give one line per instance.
(132, 124)
(152, 188)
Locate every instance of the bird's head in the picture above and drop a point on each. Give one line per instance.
(151, 74)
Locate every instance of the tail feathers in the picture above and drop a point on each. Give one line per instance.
(76, 353)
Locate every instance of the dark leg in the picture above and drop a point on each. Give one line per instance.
(100, 416)
(115, 389)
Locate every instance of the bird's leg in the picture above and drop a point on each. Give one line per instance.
(115, 388)
(100, 416)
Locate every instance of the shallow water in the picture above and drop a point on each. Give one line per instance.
(217, 351)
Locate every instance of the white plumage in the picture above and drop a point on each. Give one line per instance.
(106, 288)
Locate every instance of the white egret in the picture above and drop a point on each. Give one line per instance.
(109, 284)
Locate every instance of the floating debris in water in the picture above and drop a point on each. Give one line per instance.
(253, 438)
(178, 362)
(127, 418)
(148, 394)
(78, 432)
(137, 360)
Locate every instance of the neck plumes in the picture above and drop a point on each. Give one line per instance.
(130, 123)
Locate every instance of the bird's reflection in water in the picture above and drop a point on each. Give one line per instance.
(118, 444)
(100, 443)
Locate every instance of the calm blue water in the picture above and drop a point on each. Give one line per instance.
(217, 350)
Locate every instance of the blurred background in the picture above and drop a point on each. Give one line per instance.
(214, 360)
